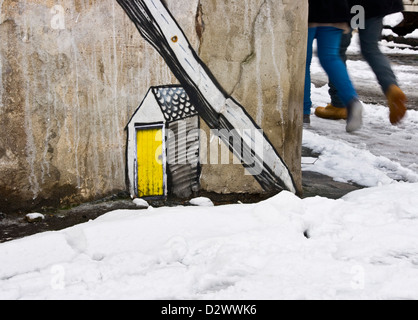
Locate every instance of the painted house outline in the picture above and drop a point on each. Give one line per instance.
(219, 110)
(169, 109)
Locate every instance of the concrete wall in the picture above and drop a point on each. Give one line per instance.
(258, 54)
(73, 72)
(411, 5)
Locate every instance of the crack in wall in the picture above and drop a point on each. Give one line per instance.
(262, 20)
(1, 62)
(252, 55)
(200, 24)
(83, 83)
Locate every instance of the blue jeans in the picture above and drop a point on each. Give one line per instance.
(329, 43)
(380, 64)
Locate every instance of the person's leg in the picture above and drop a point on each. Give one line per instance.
(336, 110)
(345, 43)
(380, 64)
(307, 105)
(329, 41)
(369, 40)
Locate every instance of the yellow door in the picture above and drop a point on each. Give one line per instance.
(150, 162)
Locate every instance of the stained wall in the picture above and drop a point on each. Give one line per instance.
(73, 72)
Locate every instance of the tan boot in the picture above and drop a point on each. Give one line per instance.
(332, 113)
(397, 104)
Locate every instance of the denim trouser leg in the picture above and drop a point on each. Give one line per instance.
(345, 43)
(329, 44)
(307, 104)
(369, 41)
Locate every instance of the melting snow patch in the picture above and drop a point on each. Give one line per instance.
(202, 202)
(141, 203)
(35, 217)
(413, 35)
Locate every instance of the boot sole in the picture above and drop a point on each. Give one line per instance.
(355, 119)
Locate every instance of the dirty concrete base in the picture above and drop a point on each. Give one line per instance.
(14, 226)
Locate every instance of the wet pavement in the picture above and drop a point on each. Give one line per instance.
(15, 226)
(316, 184)
(404, 65)
(397, 143)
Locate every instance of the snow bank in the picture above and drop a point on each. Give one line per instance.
(362, 246)
(346, 163)
(413, 35)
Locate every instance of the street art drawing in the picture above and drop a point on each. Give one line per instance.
(163, 145)
(220, 111)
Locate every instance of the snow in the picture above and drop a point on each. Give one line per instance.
(35, 216)
(390, 47)
(202, 202)
(141, 203)
(363, 246)
(413, 35)
(387, 47)
(388, 32)
(393, 20)
(380, 153)
(346, 163)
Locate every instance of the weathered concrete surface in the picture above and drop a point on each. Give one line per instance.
(72, 73)
(258, 55)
